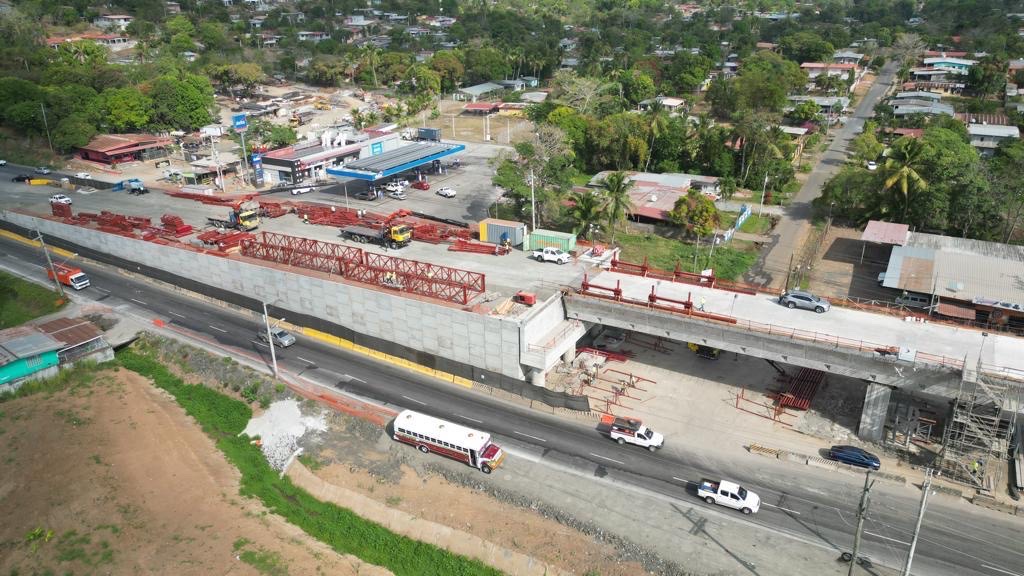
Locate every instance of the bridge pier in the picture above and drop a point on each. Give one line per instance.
(537, 378)
(873, 415)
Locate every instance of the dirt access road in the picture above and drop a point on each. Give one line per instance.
(126, 483)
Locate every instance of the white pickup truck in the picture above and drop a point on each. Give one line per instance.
(630, 431)
(729, 494)
(550, 254)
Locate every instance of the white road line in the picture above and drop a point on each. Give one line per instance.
(138, 301)
(680, 479)
(470, 419)
(304, 360)
(999, 570)
(101, 290)
(887, 538)
(218, 329)
(529, 436)
(780, 508)
(176, 314)
(606, 458)
(361, 381)
(414, 400)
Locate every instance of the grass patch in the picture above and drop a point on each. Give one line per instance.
(728, 262)
(223, 419)
(755, 224)
(21, 301)
(265, 562)
(582, 179)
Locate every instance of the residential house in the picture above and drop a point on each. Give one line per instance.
(257, 22)
(35, 352)
(294, 18)
(569, 63)
(669, 104)
(987, 137)
(830, 104)
(312, 36)
(908, 106)
(815, 69)
(567, 44)
(515, 85)
(473, 93)
(173, 7)
(958, 65)
(918, 95)
(113, 21)
(847, 57)
(114, 42)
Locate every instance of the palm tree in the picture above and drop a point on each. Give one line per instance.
(902, 175)
(617, 205)
(586, 212)
(371, 56)
(657, 122)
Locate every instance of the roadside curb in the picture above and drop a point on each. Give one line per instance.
(993, 504)
(822, 463)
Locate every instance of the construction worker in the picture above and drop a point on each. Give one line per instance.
(305, 218)
(702, 302)
(976, 468)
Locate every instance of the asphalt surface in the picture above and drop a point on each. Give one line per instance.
(812, 506)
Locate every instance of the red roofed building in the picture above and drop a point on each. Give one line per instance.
(114, 148)
(114, 42)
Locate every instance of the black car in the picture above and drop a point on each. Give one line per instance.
(854, 456)
(21, 178)
(365, 195)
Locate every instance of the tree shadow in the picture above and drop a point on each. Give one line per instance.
(698, 523)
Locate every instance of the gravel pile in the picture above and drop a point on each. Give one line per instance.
(280, 428)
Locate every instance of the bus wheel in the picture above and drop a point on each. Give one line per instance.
(485, 468)
(424, 449)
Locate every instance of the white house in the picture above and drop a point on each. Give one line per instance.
(312, 36)
(111, 21)
(986, 137)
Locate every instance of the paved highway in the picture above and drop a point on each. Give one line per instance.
(813, 506)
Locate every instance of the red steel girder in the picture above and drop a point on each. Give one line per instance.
(302, 252)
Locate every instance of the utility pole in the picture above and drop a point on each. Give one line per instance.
(862, 511)
(764, 189)
(270, 338)
(925, 488)
(60, 289)
(47, 125)
(533, 203)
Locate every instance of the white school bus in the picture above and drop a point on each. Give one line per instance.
(429, 434)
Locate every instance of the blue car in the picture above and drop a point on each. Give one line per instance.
(854, 456)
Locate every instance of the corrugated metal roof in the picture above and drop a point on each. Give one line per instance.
(26, 342)
(71, 331)
(885, 233)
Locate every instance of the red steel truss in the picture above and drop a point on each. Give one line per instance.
(422, 278)
(301, 252)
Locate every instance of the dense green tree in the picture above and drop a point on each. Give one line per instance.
(244, 77)
(72, 100)
(695, 214)
(181, 104)
(179, 24)
(902, 176)
(447, 64)
(484, 64)
(804, 112)
(421, 79)
(124, 109)
(73, 132)
(988, 76)
(586, 212)
(636, 86)
(687, 71)
(806, 47)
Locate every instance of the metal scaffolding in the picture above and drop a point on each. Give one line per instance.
(977, 434)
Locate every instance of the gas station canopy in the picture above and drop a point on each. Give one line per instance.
(373, 168)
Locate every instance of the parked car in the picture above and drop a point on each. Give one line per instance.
(3, 162)
(302, 190)
(21, 178)
(397, 195)
(446, 192)
(42, 170)
(394, 187)
(83, 175)
(86, 190)
(59, 199)
(421, 185)
(365, 195)
(854, 456)
(805, 300)
(872, 165)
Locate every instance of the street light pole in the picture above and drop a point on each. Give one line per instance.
(533, 203)
(49, 262)
(925, 488)
(270, 338)
(764, 189)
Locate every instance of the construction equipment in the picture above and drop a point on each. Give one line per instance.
(322, 105)
(393, 236)
(243, 216)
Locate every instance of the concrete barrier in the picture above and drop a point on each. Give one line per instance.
(993, 504)
(764, 451)
(823, 463)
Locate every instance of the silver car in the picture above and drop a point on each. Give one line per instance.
(805, 300)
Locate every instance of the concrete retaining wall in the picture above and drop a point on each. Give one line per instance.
(478, 340)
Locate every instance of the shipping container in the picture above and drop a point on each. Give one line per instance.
(496, 231)
(539, 239)
(429, 134)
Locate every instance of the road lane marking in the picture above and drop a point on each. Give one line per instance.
(887, 538)
(780, 508)
(999, 570)
(218, 329)
(413, 400)
(101, 290)
(470, 419)
(606, 458)
(304, 360)
(138, 301)
(681, 480)
(176, 314)
(529, 436)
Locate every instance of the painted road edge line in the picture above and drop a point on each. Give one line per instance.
(607, 458)
(217, 329)
(414, 400)
(529, 436)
